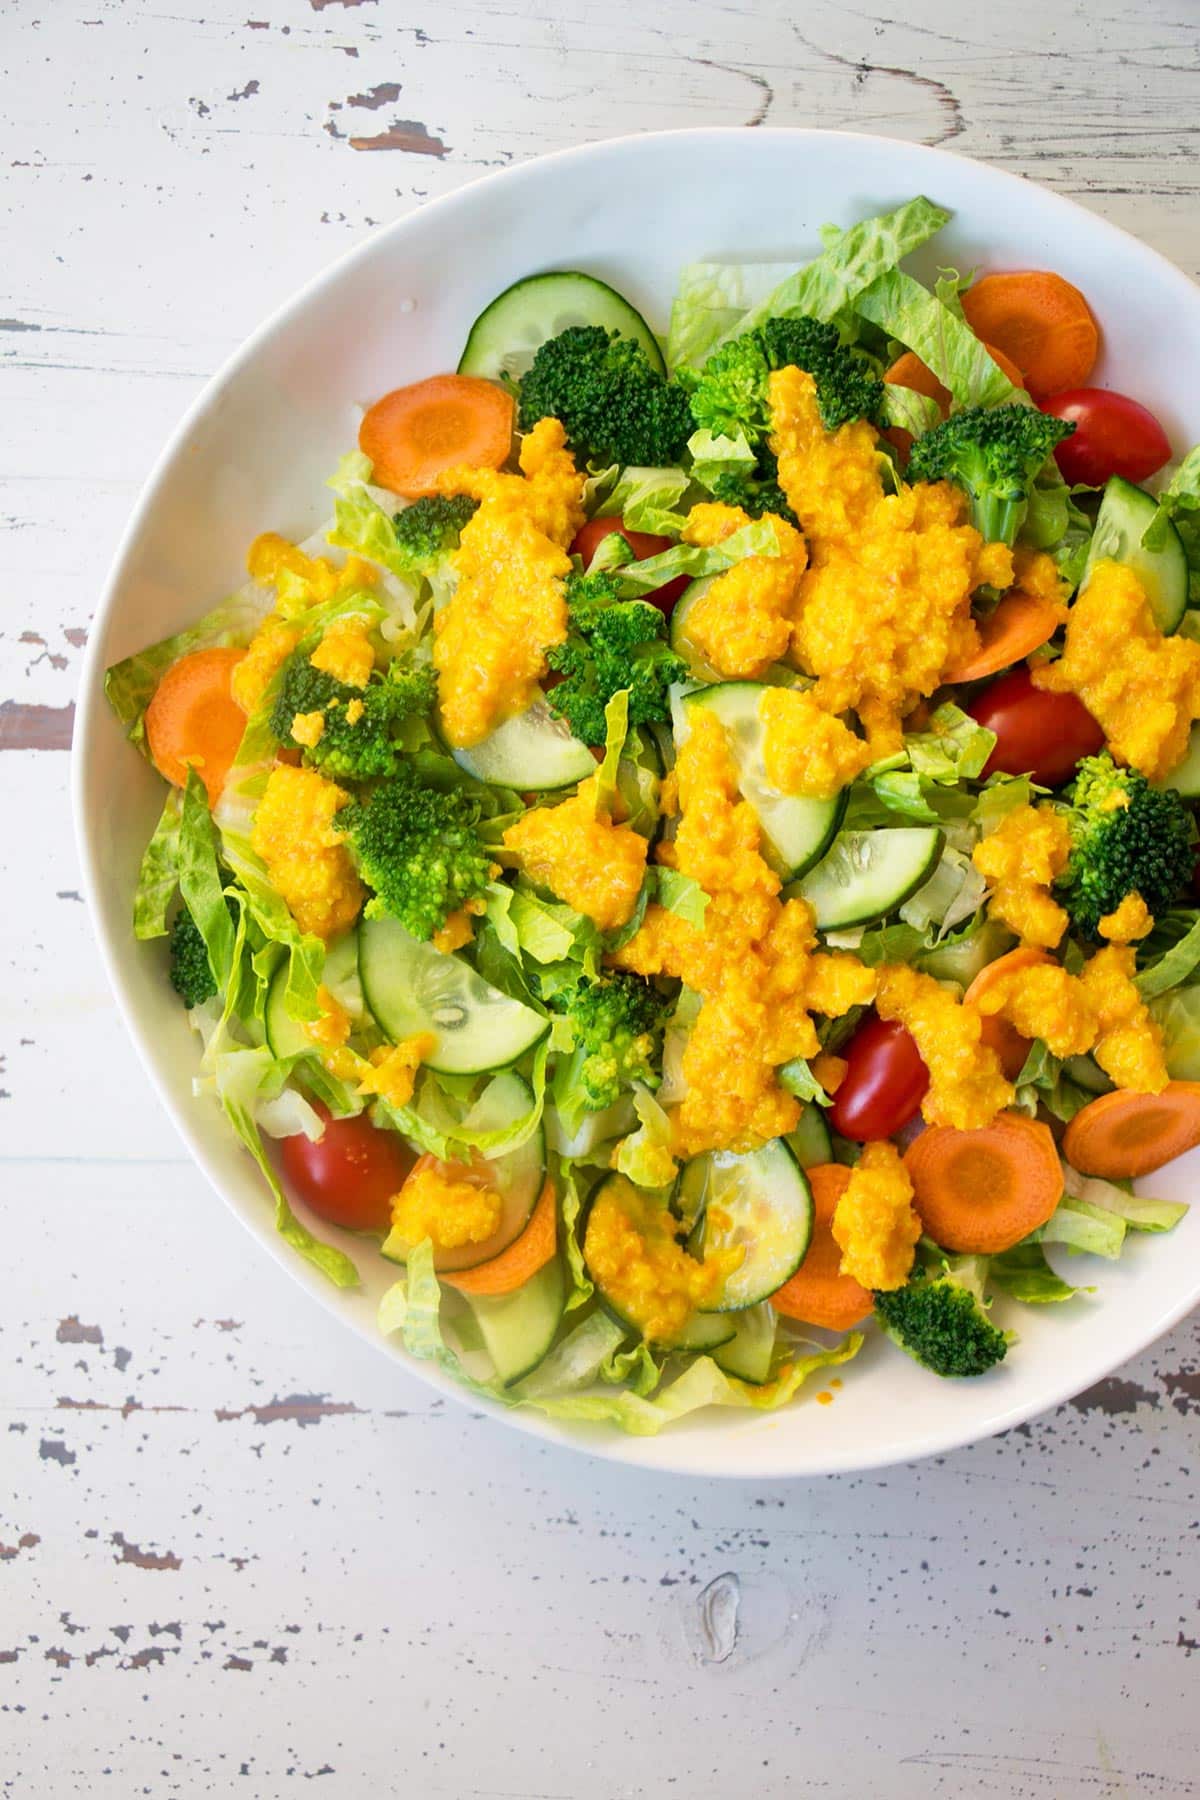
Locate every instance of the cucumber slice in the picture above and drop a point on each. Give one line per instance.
(681, 643)
(518, 1328)
(796, 832)
(518, 1174)
(410, 987)
(963, 961)
(704, 1331)
(287, 1036)
(868, 874)
(1126, 513)
(707, 1331)
(810, 1143)
(1186, 778)
(532, 752)
(506, 335)
(747, 1355)
(763, 1202)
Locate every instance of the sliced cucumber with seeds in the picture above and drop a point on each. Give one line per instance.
(810, 1143)
(868, 874)
(761, 1203)
(411, 988)
(707, 1331)
(532, 752)
(1185, 779)
(681, 643)
(289, 1037)
(1126, 514)
(518, 1175)
(796, 832)
(747, 1355)
(518, 1328)
(508, 333)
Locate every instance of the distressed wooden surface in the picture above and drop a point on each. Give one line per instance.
(238, 1552)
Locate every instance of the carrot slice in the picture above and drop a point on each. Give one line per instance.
(523, 1258)
(818, 1293)
(1123, 1134)
(998, 1034)
(415, 433)
(1039, 320)
(193, 720)
(1019, 624)
(983, 1191)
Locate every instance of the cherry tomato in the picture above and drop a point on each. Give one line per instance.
(589, 538)
(1113, 435)
(350, 1174)
(1043, 735)
(884, 1083)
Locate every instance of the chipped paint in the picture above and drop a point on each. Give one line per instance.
(33, 727)
(143, 1559)
(403, 134)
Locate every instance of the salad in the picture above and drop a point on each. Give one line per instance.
(696, 863)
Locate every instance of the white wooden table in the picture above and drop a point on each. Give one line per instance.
(238, 1551)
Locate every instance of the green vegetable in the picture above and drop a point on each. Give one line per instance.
(158, 876)
(614, 407)
(729, 394)
(941, 1320)
(1126, 837)
(429, 530)
(358, 749)
(994, 454)
(191, 972)
(617, 1020)
(612, 645)
(902, 309)
(418, 848)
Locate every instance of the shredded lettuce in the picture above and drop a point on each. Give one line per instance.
(1137, 1211)
(200, 880)
(1178, 1015)
(681, 895)
(697, 561)
(1174, 966)
(954, 748)
(648, 499)
(242, 1077)
(645, 1157)
(158, 876)
(1024, 1274)
(899, 305)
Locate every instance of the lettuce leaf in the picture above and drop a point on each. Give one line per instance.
(1137, 1211)
(907, 311)
(710, 301)
(954, 748)
(681, 895)
(158, 876)
(1024, 1274)
(648, 499)
(697, 561)
(1175, 965)
(242, 1076)
(714, 456)
(200, 880)
(645, 1156)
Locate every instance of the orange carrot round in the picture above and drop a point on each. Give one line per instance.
(523, 1258)
(818, 1293)
(1039, 320)
(415, 433)
(193, 720)
(1121, 1135)
(998, 1034)
(1019, 624)
(983, 1191)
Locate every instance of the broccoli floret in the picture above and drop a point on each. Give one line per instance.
(418, 848)
(994, 454)
(757, 491)
(429, 529)
(729, 394)
(1126, 837)
(618, 1022)
(356, 740)
(613, 404)
(611, 644)
(191, 972)
(942, 1322)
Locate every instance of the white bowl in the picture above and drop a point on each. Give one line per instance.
(252, 454)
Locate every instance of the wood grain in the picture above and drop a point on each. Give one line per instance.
(238, 1552)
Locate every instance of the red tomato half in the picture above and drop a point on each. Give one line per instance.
(350, 1174)
(884, 1083)
(589, 538)
(1113, 435)
(1043, 735)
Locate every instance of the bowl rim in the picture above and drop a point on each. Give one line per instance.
(694, 1457)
